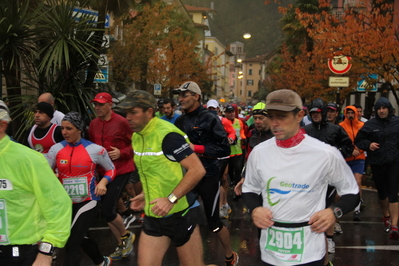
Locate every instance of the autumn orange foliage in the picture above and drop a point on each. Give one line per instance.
(368, 34)
(155, 47)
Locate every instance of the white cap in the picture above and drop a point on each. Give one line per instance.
(4, 115)
(212, 103)
(3, 105)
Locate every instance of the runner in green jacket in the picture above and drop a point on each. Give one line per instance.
(35, 210)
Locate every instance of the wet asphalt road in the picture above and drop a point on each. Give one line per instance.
(362, 243)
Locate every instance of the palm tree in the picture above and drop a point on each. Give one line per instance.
(17, 47)
(52, 47)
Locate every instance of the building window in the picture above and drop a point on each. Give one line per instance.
(250, 64)
(250, 71)
(249, 93)
(240, 92)
(250, 82)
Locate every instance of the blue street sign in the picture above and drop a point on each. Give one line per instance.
(157, 89)
(101, 76)
(90, 13)
(362, 84)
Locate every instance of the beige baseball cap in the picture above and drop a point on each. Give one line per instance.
(188, 86)
(283, 100)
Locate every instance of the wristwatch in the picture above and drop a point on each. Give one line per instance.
(172, 198)
(46, 248)
(337, 211)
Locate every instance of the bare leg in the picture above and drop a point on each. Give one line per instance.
(191, 253)
(384, 204)
(223, 196)
(224, 237)
(118, 228)
(151, 249)
(394, 211)
(359, 178)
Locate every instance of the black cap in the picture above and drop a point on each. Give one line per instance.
(333, 106)
(229, 108)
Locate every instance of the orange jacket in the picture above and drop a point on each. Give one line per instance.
(352, 127)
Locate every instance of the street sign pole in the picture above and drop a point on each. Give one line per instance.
(338, 97)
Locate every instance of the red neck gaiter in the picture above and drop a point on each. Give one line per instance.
(293, 141)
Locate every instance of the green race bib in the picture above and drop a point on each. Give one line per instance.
(286, 244)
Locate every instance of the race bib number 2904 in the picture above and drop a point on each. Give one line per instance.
(286, 244)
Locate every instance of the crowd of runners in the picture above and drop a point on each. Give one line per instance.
(297, 168)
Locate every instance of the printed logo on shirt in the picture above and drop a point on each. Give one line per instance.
(184, 147)
(38, 148)
(275, 191)
(63, 161)
(102, 151)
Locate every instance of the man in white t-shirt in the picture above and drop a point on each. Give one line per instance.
(285, 186)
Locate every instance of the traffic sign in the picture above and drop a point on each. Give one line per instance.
(157, 89)
(103, 60)
(78, 12)
(338, 81)
(340, 64)
(101, 76)
(362, 84)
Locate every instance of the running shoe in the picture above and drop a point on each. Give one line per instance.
(127, 244)
(387, 224)
(227, 207)
(338, 228)
(223, 213)
(128, 220)
(394, 233)
(107, 261)
(362, 206)
(233, 261)
(331, 245)
(117, 255)
(356, 216)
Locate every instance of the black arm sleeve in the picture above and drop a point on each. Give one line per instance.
(175, 147)
(347, 202)
(252, 200)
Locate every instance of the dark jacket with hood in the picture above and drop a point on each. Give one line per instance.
(329, 133)
(204, 128)
(385, 132)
